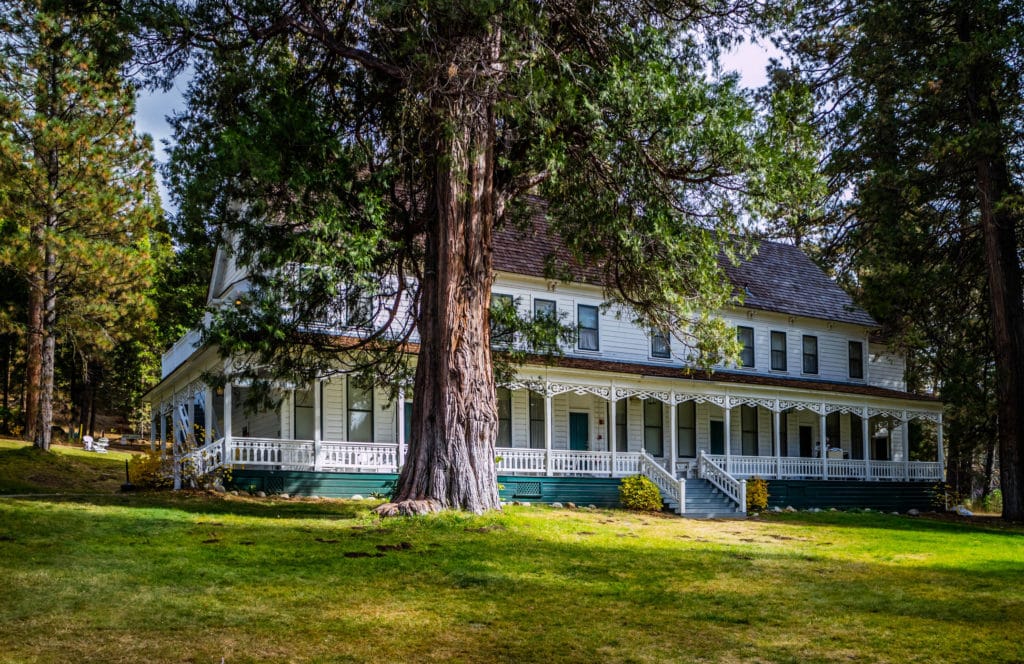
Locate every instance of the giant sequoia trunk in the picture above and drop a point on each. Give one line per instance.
(454, 418)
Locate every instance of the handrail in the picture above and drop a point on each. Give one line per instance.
(735, 489)
(670, 487)
(208, 458)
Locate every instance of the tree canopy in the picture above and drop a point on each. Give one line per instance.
(358, 141)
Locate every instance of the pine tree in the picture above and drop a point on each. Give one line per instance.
(78, 203)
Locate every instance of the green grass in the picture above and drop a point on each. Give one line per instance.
(197, 578)
(25, 469)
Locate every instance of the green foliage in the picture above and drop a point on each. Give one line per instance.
(639, 493)
(151, 470)
(78, 201)
(757, 494)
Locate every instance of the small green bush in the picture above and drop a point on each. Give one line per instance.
(639, 493)
(757, 494)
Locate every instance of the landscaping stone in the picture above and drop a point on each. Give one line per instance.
(913, 511)
(357, 497)
(285, 496)
(571, 506)
(556, 505)
(790, 508)
(219, 488)
(591, 507)
(234, 493)
(261, 494)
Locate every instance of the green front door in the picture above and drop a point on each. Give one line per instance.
(579, 431)
(717, 437)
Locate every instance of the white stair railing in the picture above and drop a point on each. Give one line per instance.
(734, 489)
(671, 488)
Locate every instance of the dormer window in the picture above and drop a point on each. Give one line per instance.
(586, 325)
(856, 359)
(745, 335)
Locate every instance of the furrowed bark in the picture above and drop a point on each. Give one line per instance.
(454, 419)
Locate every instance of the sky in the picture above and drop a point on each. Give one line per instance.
(153, 107)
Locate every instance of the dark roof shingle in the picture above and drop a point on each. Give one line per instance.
(778, 278)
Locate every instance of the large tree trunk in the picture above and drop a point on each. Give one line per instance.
(1006, 292)
(33, 346)
(49, 356)
(454, 418)
(1006, 295)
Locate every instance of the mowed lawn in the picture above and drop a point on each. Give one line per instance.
(198, 578)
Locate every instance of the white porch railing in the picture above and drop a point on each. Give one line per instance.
(365, 457)
(338, 456)
(838, 469)
(206, 459)
(567, 462)
(735, 489)
(672, 489)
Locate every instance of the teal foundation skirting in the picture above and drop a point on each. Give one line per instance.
(887, 496)
(600, 491)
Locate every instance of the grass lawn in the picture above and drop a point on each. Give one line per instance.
(24, 469)
(197, 578)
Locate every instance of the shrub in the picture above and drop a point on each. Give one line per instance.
(993, 502)
(150, 471)
(639, 493)
(757, 494)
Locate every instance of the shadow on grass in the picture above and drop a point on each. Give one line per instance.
(881, 521)
(515, 587)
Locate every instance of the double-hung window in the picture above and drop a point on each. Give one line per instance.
(660, 344)
(687, 423)
(359, 402)
(856, 359)
(501, 333)
(586, 324)
(504, 418)
(745, 335)
(778, 351)
(537, 421)
(748, 430)
(654, 442)
(810, 354)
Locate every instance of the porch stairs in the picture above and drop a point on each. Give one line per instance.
(704, 501)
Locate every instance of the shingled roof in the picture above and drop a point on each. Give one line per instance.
(778, 278)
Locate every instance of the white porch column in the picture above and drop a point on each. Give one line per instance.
(673, 434)
(906, 446)
(208, 414)
(163, 431)
(227, 417)
(727, 425)
(176, 442)
(287, 416)
(823, 441)
(548, 424)
(613, 428)
(940, 453)
(776, 439)
(152, 430)
(400, 421)
(865, 430)
(191, 432)
(318, 434)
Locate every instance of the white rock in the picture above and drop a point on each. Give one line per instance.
(556, 505)
(357, 497)
(261, 494)
(790, 508)
(285, 496)
(913, 511)
(525, 504)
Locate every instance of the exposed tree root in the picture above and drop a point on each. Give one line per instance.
(408, 508)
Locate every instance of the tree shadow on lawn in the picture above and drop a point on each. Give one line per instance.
(882, 521)
(204, 503)
(465, 589)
